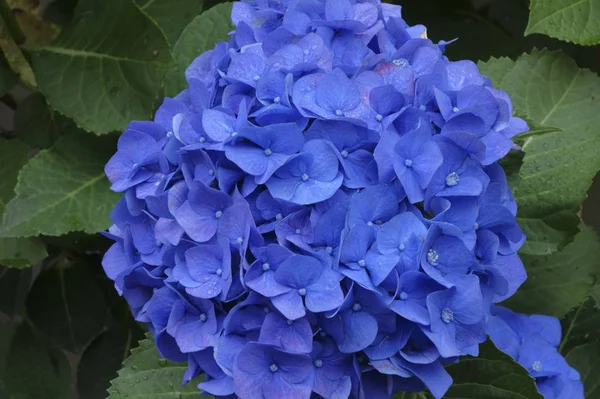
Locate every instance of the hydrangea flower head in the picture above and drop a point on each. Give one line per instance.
(321, 213)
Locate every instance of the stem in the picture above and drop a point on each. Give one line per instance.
(11, 23)
(566, 337)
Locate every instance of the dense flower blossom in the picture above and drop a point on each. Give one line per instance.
(321, 213)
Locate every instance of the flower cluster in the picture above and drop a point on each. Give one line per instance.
(533, 342)
(320, 214)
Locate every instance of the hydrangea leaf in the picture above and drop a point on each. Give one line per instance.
(14, 287)
(7, 78)
(581, 325)
(570, 20)
(584, 359)
(559, 164)
(7, 332)
(146, 375)
(21, 252)
(67, 305)
(412, 395)
(101, 360)
(63, 189)
(15, 252)
(200, 35)
(37, 124)
(171, 15)
(580, 344)
(106, 67)
(557, 283)
(492, 374)
(14, 155)
(37, 369)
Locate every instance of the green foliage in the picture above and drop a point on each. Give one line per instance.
(7, 78)
(14, 155)
(172, 16)
(35, 369)
(559, 164)
(576, 21)
(15, 252)
(14, 288)
(67, 305)
(38, 125)
(102, 359)
(106, 67)
(581, 343)
(559, 282)
(586, 359)
(63, 189)
(490, 375)
(146, 375)
(200, 35)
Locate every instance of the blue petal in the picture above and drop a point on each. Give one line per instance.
(434, 375)
(326, 293)
(299, 271)
(247, 68)
(337, 93)
(218, 124)
(352, 331)
(290, 305)
(295, 337)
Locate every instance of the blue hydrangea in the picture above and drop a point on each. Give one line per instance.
(533, 341)
(321, 213)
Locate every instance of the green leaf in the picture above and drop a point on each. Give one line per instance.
(7, 79)
(557, 283)
(580, 326)
(36, 369)
(586, 360)
(412, 395)
(492, 374)
(102, 359)
(7, 332)
(576, 21)
(581, 345)
(21, 252)
(146, 375)
(547, 234)
(67, 305)
(63, 189)
(38, 125)
(199, 36)
(15, 252)
(171, 15)
(14, 287)
(550, 90)
(106, 67)
(14, 155)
